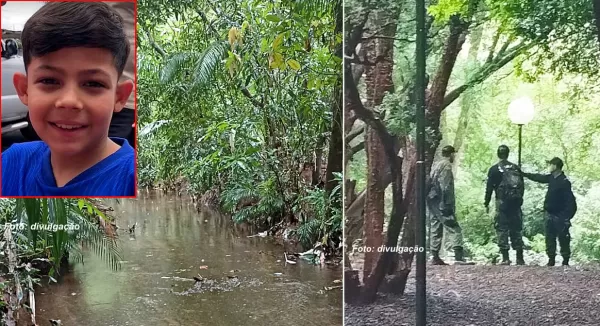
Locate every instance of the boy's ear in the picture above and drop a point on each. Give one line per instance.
(20, 82)
(124, 90)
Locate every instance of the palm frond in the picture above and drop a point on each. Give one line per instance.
(208, 62)
(176, 64)
(33, 210)
(315, 7)
(91, 236)
(204, 64)
(309, 232)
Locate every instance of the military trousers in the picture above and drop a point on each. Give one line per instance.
(509, 225)
(443, 225)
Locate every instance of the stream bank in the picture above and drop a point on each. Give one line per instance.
(244, 279)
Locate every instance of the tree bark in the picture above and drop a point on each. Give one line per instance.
(378, 81)
(336, 143)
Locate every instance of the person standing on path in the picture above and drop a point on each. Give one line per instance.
(560, 206)
(504, 178)
(442, 208)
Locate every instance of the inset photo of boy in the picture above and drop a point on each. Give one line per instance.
(68, 115)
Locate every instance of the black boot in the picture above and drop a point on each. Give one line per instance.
(565, 261)
(459, 257)
(459, 254)
(551, 261)
(505, 259)
(520, 260)
(436, 260)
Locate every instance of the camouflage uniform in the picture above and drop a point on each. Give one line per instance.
(508, 220)
(509, 224)
(441, 207)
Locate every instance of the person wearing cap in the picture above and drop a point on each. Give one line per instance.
(442, 208)
(560, 207)
(505, 180)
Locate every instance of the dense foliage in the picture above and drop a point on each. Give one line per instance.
(39, 236)
(555, 64)
(235, 99)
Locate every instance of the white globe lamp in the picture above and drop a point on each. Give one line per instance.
(520, 112)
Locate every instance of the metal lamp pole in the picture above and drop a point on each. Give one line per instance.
(520, 135)
(420, 55)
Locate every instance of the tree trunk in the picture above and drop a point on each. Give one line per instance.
(433, 110)
(378, 81)
(336, 143)
(436, 101)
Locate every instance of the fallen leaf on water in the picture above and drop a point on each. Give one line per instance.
(203, 267)
(337, 281)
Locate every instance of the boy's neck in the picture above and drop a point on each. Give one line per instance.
(66, 168)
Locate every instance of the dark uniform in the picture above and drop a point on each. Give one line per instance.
(559, 207)
(508, 220)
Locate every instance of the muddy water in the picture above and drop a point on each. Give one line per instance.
(243, 281)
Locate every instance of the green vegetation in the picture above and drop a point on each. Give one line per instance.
(480, 56)
(239, 106)
(39, 236)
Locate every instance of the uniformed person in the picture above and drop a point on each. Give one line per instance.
(442, 208)
(505, 180)
(560, 207)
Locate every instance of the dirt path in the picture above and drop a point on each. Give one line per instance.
(493, 295)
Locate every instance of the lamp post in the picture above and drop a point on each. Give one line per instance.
(520, 112)
(420, 226)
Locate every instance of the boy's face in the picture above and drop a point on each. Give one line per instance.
(71, 94)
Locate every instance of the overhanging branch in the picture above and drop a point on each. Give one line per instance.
(354, 133)
(486, 71)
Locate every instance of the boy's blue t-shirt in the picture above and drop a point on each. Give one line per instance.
(27, 171)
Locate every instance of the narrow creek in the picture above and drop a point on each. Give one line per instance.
(245, 280)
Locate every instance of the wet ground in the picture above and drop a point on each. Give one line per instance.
(245, 281)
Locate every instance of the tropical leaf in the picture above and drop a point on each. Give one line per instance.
(208, 62)
(295, 65)
(176, 64)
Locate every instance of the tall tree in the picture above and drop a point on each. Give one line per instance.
(457, 21)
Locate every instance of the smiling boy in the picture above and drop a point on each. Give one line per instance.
(74, 54)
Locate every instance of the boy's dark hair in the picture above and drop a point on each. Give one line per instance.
(59, 25)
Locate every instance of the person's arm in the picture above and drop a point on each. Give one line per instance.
(491, 185)
(446, 180)
(567, 192)
(541, 178)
